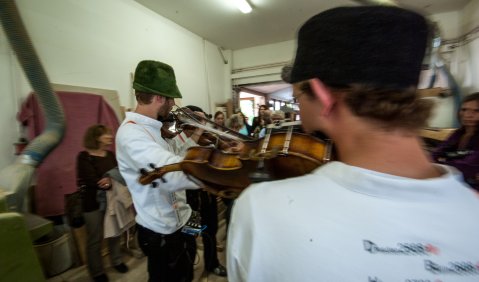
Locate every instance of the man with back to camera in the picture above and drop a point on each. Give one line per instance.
(382, 211)
(162, 212)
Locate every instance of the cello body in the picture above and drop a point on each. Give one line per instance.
(276, 156)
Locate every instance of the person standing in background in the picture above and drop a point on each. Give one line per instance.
(246, 129)
(263, 123)
(235, 122)
(219, 118)
(257, 120)
(91, 166)
(461, 149)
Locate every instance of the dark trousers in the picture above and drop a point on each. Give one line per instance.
(209, 217)
(170, 256)
(206, 204)
(94, 232)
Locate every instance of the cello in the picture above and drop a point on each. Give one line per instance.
(276, 156)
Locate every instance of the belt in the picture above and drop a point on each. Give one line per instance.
(151, 232)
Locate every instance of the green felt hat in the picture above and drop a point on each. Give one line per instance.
(156, 78)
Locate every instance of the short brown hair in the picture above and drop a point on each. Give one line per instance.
(90, 139)
(471, 97)
(144, 98)
(391, 108)
(219, 113)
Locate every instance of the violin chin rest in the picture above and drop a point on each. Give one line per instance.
(228, 194)
(222, 191)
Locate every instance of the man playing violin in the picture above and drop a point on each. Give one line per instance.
(162, 212)
(382, 211)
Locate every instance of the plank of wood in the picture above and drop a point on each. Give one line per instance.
(440, 134)
(434, 92)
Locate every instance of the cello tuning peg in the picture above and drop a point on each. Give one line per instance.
(154, 184)
(143, 172)
(163, 179)
(152, 165)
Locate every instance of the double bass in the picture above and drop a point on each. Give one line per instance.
(276, 156)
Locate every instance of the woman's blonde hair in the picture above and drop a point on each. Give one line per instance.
(235, 122)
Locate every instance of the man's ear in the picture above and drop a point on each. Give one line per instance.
(323, 94)
(160, 99)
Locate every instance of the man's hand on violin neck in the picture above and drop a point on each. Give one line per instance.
(235, 146)
(198, 132)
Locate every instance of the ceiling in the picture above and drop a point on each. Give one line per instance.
(271, 21)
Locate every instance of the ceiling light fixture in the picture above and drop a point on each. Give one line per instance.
(243, 6)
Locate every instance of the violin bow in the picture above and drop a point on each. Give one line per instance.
(193, 120)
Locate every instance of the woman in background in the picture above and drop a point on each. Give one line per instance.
(92, 164)
(461, 149)
(219, 118)
(235, 122)
(257, 120)
(246, 129)
(263, 122)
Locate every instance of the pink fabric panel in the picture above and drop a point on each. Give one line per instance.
(56, 175)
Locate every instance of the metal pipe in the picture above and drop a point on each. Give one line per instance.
(17, 177)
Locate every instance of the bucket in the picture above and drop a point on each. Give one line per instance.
(54, 253)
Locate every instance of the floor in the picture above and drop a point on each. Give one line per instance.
(136, 262)
(137, 271)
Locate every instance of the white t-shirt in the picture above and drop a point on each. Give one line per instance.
(344, 223)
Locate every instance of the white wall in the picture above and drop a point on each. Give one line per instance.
(261, 63)
(8, 123)
(449, 24)
(470, 16)
(97, 44)
(469, 65)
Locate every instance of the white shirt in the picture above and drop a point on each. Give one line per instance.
(181, 143)
(344, 223)
(139, 143)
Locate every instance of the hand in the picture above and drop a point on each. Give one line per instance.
(235, 146)
(104, 183)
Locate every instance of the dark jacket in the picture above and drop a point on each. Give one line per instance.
(90, 169)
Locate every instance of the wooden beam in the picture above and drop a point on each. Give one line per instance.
(440, 134)
(434, 92)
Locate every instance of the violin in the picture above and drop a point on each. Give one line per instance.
(167, 134)
(275, 156)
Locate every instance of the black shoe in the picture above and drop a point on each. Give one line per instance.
(122, 268)
(101, 278)
(220, 270)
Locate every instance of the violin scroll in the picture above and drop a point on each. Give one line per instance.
(157, 173)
